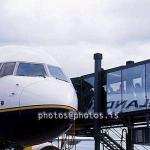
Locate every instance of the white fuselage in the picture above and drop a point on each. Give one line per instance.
(30, 83)
(18, 91)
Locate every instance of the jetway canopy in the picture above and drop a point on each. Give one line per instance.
(128, 88)
(125, 89)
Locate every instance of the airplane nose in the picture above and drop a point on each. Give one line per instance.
(49, 92)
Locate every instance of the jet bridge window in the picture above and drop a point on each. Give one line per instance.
(133, 88)
(114, 92)
(32, 70)
(7, 69)
(57, 73)
(148, 81)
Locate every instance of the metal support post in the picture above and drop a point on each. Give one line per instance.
(97, 98)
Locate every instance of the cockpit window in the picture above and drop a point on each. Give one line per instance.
(7, 69)
(57, 73)
(29, 69)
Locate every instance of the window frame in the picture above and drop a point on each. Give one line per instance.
(118, 72)
(146, 79)
(67, 79)
(19, 62)
(2, 63)
(143, 87)
(122, 68)
(48, 74)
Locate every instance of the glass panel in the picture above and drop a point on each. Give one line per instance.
(57, 73)
(7, 69)
(85, 91)
(148, 82)
(133, 88)
(114, 92)
(28, 69)
(88, 94)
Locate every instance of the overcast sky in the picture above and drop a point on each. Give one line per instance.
(72, 30)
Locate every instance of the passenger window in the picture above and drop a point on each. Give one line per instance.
(133, 88)
(114, 92)
(7, 69)
(57, 73)
(28, 69)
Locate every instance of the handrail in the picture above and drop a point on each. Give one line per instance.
(112, 140)
(124, 138)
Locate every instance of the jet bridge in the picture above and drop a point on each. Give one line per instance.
(126, 89)
(123, 90)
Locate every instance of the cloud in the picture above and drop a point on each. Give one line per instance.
(69, 22)
(72, 31)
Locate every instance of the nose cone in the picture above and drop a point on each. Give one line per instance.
(49, 92)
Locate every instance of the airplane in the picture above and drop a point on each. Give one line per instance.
(32, 83)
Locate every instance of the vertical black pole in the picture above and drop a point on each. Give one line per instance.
(129, 142)
(129, 138)
(147, 129)
(147, 120)
(97, 98)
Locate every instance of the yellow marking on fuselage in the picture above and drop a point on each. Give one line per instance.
(38, 107)
(28, 148)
